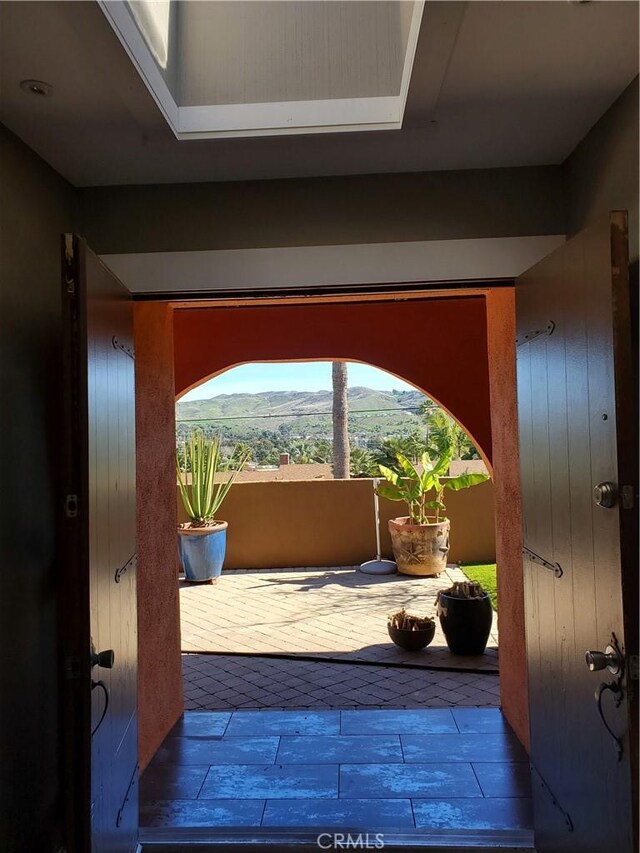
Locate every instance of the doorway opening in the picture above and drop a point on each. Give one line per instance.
(359, 331)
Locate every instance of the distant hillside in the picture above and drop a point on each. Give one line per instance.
(305, 413)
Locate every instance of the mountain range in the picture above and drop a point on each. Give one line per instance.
(305, 412)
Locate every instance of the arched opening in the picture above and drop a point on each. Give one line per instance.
(294, 527)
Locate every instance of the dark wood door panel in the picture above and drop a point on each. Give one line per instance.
(112, 531)
(569, 442)
(103, 391)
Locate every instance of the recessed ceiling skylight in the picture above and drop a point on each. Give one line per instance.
(243, 68)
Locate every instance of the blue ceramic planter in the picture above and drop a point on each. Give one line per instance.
(202, 552)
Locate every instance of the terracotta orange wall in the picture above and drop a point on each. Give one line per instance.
(439, 345)
(506, 473)
(461, 351)
(160, 698)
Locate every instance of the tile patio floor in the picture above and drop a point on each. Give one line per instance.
(308, 614)
(336, 613)
(226, 682)
(368, 771)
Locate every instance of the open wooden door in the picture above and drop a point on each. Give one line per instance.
(579, 488)
(98, 588)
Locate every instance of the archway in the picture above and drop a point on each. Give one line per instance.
(437, 345)
(472, 333)
(284, 425)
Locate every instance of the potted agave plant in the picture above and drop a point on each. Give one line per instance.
(202, 541)
(420, 540)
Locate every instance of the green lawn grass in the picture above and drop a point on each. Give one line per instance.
(485, 574)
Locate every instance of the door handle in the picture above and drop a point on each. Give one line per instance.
(105, 659)
(605, 495)
(610, 659)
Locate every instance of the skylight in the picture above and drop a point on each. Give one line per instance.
(244, 68)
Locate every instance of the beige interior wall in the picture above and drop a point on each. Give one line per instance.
(329, 211)
(330, 523)
(602, 172)
(36, 206)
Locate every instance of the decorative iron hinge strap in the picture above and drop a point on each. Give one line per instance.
(119, 572)
(539, 779)
(132, 782)
(556, 568)
(536, 333)
(125, 348)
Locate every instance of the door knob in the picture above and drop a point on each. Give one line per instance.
(105, 659)
(605, 495)
(608, 659)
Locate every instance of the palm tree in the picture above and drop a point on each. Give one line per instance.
(444, 432)
(340, 423)
(362, 463)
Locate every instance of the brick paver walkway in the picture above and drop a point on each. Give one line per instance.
(221, 682)
(336, 613)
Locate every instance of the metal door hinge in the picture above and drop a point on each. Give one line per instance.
(627, 497)
(69, 279)
(125, 348)
(68, 248)
(72, 667)
(556, 568)
(536, 333)
(71, 506)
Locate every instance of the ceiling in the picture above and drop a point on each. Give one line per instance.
(232, 69)
(494, 84)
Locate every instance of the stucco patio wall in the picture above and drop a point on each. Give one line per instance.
(331, 523)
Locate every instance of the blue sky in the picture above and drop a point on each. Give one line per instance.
(292, 376)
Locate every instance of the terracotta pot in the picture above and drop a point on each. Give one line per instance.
(419, 549)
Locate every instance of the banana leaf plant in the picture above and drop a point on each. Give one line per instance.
(202, 456)
(413, 486)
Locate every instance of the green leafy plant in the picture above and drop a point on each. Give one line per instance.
(413, 486)
(201, 456)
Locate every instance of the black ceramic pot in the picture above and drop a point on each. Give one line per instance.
(466, 623)
(412, 641)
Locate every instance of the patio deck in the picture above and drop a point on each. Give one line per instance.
(325, 613)
(298, 645)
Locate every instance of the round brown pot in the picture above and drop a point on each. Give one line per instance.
(419, 549)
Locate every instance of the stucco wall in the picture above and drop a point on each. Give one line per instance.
(36, 206)
(160, 697)
(440, 345)
(508, 509)
(331, 523)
